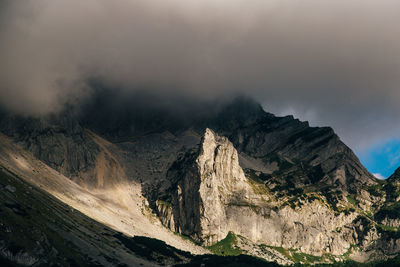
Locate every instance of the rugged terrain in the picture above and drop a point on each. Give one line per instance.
(230, 180)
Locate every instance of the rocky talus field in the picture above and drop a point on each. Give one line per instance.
(229, 186)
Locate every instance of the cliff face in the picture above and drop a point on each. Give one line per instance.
(211, 196)
(205, 183)
(58, 140)
(222, 185)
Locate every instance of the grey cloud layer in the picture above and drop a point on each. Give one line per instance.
(334, 62)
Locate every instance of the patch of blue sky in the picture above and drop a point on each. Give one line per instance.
(383, 159)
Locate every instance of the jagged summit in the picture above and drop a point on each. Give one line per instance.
(198, 188)
(311, 154)
(305, 155)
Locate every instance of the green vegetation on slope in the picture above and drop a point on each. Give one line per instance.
(227, 246)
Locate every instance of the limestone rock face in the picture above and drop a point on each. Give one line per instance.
(222, 183)
(205, 185)
(210, 196)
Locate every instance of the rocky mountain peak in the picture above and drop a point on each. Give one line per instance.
(218, 158)
(200, 185)
(209, 195)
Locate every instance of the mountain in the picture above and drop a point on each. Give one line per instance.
(224, 177)
(39, 230)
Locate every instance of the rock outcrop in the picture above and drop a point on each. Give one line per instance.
(205, 184)
(210, 196)
(59, 141)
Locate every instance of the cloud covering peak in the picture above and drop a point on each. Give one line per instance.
(332, 62)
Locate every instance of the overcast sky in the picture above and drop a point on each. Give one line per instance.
(333, 63)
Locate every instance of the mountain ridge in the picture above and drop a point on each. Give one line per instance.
(291, 176)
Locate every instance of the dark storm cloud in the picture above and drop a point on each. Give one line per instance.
(333, 62)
